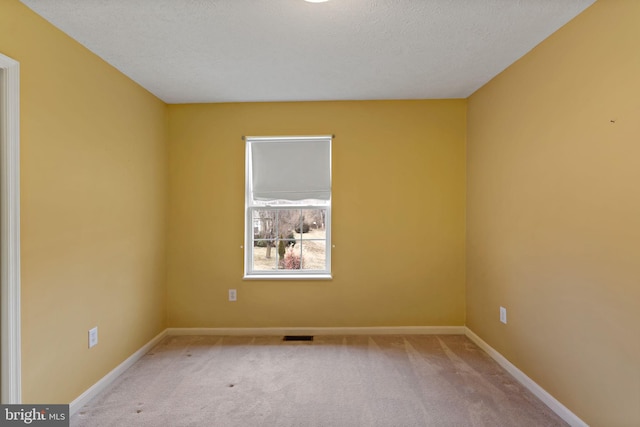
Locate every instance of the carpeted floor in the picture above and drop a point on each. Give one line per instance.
(334, 381)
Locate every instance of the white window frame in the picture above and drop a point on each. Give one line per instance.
(251, 206)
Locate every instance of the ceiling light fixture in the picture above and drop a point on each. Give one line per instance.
(316, 1)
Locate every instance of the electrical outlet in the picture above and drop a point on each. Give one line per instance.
(93, 337)
(503, 315)
(233, 296)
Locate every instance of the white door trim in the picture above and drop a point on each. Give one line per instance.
(10, 360)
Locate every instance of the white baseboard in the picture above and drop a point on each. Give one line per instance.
(557, 407)
(105, 381)
(373, 330)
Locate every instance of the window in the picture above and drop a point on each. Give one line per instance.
(288, 207)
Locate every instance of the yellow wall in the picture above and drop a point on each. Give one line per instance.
(553, 216)
(93, 172)
(398, 215)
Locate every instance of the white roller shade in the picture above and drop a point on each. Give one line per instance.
(290, 169)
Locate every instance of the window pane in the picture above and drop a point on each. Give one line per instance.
(264, 239)
(265, 258)
(290, 259)
(313, 224)
(288, 220)
(289, 239)
(314, 256)
(264, 224)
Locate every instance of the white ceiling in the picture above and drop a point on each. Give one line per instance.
(187, 51)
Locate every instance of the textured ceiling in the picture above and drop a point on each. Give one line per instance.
(186, 51)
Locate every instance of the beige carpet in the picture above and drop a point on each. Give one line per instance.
(350, 381)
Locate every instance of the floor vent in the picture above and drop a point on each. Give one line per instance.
(298, 338)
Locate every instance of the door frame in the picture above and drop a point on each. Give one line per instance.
(10, 329)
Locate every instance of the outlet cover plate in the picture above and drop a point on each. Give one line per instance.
(93, 337)
(503, 315)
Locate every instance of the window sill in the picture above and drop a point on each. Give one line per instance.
(320, 276)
